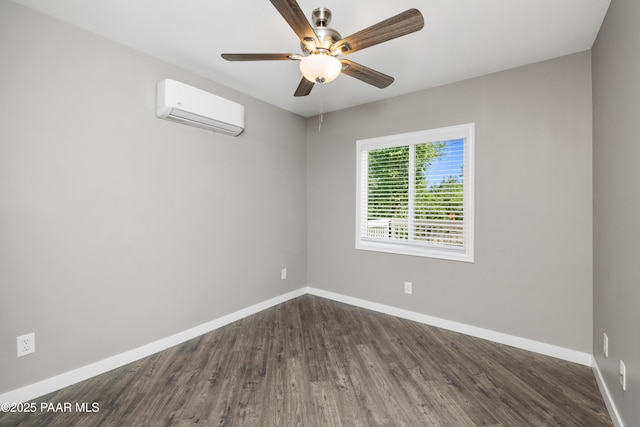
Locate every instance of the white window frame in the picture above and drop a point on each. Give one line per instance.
(406, 247)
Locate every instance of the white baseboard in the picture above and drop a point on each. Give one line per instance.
(66, 379)
(606, 396)
(487, 334)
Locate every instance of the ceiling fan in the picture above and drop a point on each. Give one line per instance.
(321, 45)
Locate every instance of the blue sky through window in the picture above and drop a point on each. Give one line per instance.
(450, 164)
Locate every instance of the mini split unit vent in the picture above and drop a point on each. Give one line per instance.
(191, 106)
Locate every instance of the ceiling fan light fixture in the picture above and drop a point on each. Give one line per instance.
(320, 67)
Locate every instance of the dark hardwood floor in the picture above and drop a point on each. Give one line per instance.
(316, 362)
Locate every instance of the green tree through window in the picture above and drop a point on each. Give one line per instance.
(388, 188)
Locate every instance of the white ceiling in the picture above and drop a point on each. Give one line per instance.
(461, 39)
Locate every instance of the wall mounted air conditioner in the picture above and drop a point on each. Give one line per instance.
(186, 104)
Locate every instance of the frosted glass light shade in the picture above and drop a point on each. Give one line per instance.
(320, 68)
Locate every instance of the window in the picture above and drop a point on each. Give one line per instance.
(415, 193)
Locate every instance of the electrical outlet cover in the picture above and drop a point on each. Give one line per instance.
(26, 344)
(408, 287)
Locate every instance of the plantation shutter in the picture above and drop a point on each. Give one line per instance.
(413, 193)
(388, 187)
(439, 201)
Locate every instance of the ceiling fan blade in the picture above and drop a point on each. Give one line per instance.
(366, 74)
(304, 88)
(399, 25)
(259, 56)
(291, 12)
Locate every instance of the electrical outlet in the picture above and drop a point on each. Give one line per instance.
(623, 376)
(605, 345)
(283, 273)
(408, 288)
(26, 344)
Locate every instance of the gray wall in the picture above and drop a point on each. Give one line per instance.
(616, 109)
(532, 276)
(117, 228)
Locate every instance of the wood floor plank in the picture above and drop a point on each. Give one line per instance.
(315, 362)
